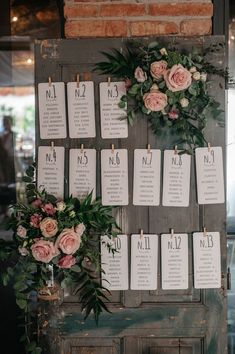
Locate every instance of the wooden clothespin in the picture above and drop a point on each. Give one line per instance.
(176, 151)
(109, 80)
(82, 147)
(209, 147)
(49, 81)
(148, 148)
(52, 145)
(78, 80)
(141, 234)
(204, 231)
(112, 148)
(172, 233)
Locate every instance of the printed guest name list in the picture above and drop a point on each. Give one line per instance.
(114, 177)
(52, 116)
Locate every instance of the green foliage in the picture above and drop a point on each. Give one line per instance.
(29, 275)
(185, 114)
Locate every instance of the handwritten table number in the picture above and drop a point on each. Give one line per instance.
(81, 109)
(51, 170)
(52, 116)
(115, 266)
(113, 118)
(210, 176)
(176, 179)
(82, 172)
(206, 255)
(146, 186)
(174, 261)
(114, 177)
(144, 260)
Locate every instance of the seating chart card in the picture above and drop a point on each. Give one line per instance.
(210, 176)
(113, 118)
(146, 186)
(174, 261)
(81, 109)
(82, 172)
(52, 116)
(144, 260)
(206, 255)
(115, 266)
(51, 170)
(176, 179)
(114, 177)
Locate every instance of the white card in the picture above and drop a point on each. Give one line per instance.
(51, 170)
(52, 115)
(206, 256)
(144, 260)
(81, 109)
(114, 177)
(146, 186)
(210, 176)
(174, 261)
(176, 179)
(113, 118)
(82, 172)
(115, 266)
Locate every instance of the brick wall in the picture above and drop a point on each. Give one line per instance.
(128, 18)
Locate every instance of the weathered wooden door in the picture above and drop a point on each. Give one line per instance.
(188, 321)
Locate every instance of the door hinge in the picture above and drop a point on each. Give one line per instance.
(229, 282)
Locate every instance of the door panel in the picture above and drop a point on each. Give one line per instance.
(142, 322)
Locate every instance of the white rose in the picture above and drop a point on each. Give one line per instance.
(193, 69)
(184, 102)
(196, 75)
(23, 251)
(21, 231)
(163, 51)
(60, 206)
(203, 76)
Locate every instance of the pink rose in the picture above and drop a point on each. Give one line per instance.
(80, 228)
(67, 261)
(37, 203)
(21, 231)
(23, 251)
(68, 241)
(155, 101)
(35, 220)
(178, 78)
(44, 251)
(158, 69)
(173, 114)
(49, 227)
(140, 75)
(49, 209)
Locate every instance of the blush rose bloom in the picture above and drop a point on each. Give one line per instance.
(68, 241)
(158, 69)
(67, 261)
(37, 203)
(178, 78)
(21, 231)
(49, 227)
(155, 101)
(23, 251)
(140, 75)
(44, 251)
(35, 220)
(49, 209)
(173, 114)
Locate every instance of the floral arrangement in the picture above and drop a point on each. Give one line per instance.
(56, 243)
(167, 87)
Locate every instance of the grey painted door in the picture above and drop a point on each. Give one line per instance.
(188, 321)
